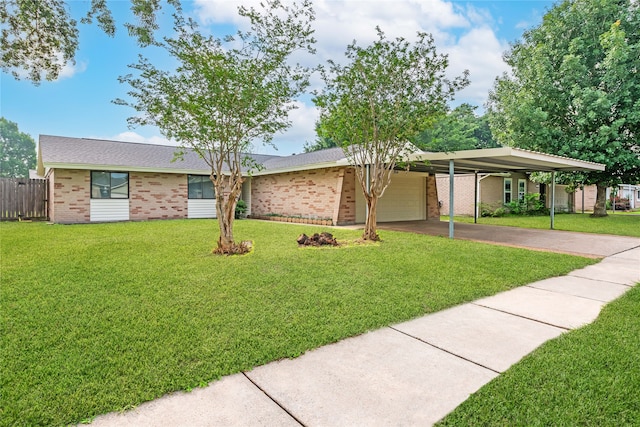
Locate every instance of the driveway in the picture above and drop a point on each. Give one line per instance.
(583, 244)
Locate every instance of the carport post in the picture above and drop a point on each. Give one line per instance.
(553, 197)
(475, 197)
(451, 169)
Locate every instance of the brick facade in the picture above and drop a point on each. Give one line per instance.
(433, 207)
(346, 209)
(311, 194)
(69, 196)
(157, 195)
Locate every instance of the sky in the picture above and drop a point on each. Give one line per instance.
(474, 35)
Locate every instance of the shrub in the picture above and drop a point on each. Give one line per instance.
(241, 209)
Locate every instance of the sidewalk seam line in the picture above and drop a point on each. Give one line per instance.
(446, 351)
(525, 317)
(273, 400)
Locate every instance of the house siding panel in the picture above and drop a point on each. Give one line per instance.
(201, 208)
(109, 210)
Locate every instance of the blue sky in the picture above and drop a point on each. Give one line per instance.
(473, 33)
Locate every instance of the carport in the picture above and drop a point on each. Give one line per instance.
(496, 160)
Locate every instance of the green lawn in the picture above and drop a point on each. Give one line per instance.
(101, 317)
(587, 377)
(621, 225)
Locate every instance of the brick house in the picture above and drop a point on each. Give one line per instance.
(496, 189)
(93, 180)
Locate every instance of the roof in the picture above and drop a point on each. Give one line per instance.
(503, 159)
(86, 153)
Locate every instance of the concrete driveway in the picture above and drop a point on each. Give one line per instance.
(584, 244)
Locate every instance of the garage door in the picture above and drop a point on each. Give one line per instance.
(404, 200)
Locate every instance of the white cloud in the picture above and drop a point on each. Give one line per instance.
(461, 30)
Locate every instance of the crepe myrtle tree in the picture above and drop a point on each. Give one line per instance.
(225, 94)
(39, 37)
(377, 103)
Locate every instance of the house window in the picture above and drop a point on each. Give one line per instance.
(507, 190)
(522, 188)
(109, 185)
(200, 187)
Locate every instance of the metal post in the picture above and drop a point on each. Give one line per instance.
(583, 198)
(475, 197)
(451, 170)
(553, 197)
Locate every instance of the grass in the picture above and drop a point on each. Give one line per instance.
(621, 225)
(101, 317)
(587, 377)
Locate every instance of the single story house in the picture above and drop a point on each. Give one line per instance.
(93, 180)
(497, 189)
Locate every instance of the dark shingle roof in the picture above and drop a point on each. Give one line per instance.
(57, 151)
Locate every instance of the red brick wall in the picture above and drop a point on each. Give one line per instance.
(347, 206)
(433, 209)
(157, 195)
(69, 196)
(311, 193)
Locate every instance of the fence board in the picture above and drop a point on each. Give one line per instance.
(23, 199)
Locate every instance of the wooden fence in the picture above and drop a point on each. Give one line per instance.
(23, 199)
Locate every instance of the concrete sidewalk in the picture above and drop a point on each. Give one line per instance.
(413, 373)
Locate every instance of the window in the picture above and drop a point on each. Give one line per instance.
(522, 188)
(507, 190)
(200, 187)
(109, 185)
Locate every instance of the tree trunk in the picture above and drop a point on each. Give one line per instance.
(227, 193)
(225, 219)
(600, 208)
(370, 225)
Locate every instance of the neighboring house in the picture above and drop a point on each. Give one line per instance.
(624, 191)
(495, 190)
(98, 180)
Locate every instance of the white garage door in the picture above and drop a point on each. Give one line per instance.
(404, 200)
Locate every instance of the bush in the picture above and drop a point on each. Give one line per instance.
(530, 204)
(241, 209)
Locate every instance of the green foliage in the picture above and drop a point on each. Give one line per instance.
(530, 204)
(112, 315)
(587, 377)
(376, 104)
(575, 88)
(17, 151)
(241, 209)
(40, 37)
(460, 129)
(322, 141)
(226, 93)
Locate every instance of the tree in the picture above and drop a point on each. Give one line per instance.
(40, 37)
(575, 90)
(460, 129)
(322, 141)
(17, 151)
(226, 93)
(374, 106)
